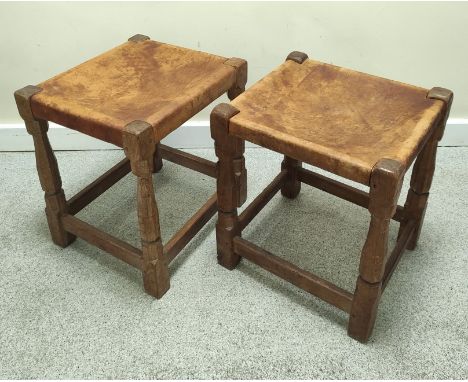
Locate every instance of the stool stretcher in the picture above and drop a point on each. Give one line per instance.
(98, 187)
(311, 283)
(398, 251)
(341, 190)
(190, 161)
(261, 200)
(119, 248)
(305, 280)
(190, 229)
(103, 240)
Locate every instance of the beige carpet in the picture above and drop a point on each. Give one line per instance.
(80, 313)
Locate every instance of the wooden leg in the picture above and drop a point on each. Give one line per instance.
(138, 142)
(240, 80)
(418, 194)
(230, 176)
(239, 163)
(423, 171)
(385, 186)
(292, 186)
(158, 161)
(47, 168)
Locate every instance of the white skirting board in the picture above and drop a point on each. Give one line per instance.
(14, 137)
(193, 134)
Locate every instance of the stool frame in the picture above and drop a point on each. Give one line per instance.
(377, 263)
(144, 156)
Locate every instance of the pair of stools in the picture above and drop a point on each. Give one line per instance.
(360, 127)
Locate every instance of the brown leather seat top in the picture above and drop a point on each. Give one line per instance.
(161, 84)
(338, 119)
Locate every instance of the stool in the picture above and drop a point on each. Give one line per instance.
(360, 127)
(131, 96)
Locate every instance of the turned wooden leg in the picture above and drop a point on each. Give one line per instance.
(158, 162)
(292, 185)
(139, 146)
(47, 168)
(423, 170)
(231, 183)
(385, 186)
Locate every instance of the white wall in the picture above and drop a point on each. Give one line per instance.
(420, 43)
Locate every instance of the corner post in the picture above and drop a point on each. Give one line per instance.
(231, 183)
(138, 38)
(139, 146)
(385, 186)
(292, 185)
(423, 170)
(238, 87)
(47, 167)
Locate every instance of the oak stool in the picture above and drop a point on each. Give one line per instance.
(361, 127)
(131, 96)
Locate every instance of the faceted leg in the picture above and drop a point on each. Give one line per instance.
(139, 146)
(47, 168)
(385, 186)
(423, 170)
(292, 186)
(231, 183)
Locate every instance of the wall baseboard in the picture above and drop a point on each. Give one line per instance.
(192, 134)
(14, 137)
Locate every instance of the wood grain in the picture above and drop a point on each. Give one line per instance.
(47, 168)
(385, 186)
(187, 160)
(139, 146)
(190, 229)
(423, 169)
(262, 199)
(92, 191)
(341, 190)
(238, 87)
(292, 185)
(231, 183)
(398, 251)
(104, 241)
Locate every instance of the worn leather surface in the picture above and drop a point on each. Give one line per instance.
(338, 119)
(161, 84)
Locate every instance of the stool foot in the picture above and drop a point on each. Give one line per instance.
(155, 271)
(226, 230)
(55, 204)
(364, 310)
(413, 242)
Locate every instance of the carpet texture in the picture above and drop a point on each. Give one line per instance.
(80, 313)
